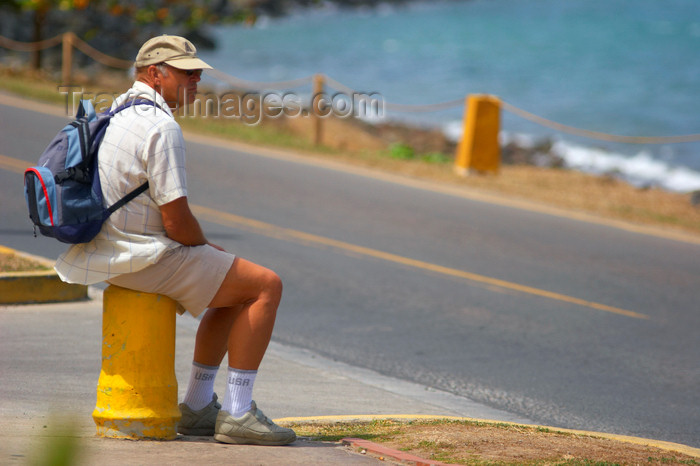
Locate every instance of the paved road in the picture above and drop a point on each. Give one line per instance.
(569, 323)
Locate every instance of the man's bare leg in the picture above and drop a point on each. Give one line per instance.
(241, 317)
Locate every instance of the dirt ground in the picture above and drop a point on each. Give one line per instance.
(469, 442)
(465, 443)
(15, 263)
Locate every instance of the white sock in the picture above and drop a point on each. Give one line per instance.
(239, 392)
(201, 387)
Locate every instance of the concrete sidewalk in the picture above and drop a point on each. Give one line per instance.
(50, 359)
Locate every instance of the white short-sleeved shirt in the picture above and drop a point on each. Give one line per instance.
(142, 143)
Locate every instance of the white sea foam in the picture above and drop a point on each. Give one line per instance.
(453, 130)
(526, 141)
(641, 169)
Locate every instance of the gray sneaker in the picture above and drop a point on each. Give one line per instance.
(253, 428)
(200, 422)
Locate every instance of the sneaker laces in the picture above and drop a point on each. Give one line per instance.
(259, 415)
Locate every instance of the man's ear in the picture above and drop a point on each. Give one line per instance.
(155, 77)
(155, 74)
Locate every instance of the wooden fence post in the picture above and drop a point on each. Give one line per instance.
(318, 125)
(67, 63)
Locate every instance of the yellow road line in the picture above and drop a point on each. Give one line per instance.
(13, 165)
(274, 231)
(226, 219)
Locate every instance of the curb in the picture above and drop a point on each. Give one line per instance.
(402, 456)
(42, 286)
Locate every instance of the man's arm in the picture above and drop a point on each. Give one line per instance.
(181, 225)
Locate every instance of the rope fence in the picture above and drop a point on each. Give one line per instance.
(30, 46)
(598, 135)
(70, 41)
(403, 108)
(258, 86)
(98, 56)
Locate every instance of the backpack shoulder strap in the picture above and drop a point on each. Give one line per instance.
(130, 103)
(86, 110)
(127, 198)
(130, 196)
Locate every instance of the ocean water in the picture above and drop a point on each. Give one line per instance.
(622, 67)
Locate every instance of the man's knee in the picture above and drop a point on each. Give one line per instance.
(273, 284)
(267, 288)
(247, 282)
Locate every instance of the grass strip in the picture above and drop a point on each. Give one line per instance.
(471, 442)
(10, 262)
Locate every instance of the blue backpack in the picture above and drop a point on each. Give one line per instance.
(63, 191)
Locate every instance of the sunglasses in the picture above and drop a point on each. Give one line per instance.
(189, 73)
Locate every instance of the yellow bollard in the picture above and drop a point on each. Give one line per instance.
(479, 150)
(137, 388)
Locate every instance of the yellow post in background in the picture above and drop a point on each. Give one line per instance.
(137, 388)
(479, 150)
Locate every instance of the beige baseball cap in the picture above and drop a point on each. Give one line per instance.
(176, 51)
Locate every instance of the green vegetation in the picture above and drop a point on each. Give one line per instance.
(138, 20)
(254, 134)
(33, 88)
(402, 151)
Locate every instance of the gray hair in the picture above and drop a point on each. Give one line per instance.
(163, 69)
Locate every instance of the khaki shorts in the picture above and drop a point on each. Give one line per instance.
(191, 275)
